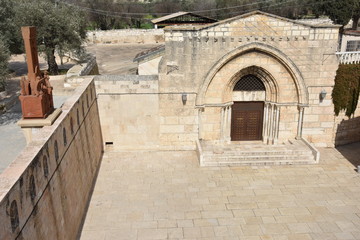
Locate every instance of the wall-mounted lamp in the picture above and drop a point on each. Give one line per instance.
(322, 95)
(184, 98)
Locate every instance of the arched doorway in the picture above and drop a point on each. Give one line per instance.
(248, 109)
(284, 98)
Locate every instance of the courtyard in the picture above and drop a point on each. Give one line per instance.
(166, 195)
(111, 59)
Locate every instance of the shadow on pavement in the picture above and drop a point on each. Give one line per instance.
(351, 152)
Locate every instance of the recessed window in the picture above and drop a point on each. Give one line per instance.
(14, 216)
(249, 83)
(56, 150)
(77, 117)
(353, 46)
(32, 188)
(45, 166)
(71, 125)
(64, 136)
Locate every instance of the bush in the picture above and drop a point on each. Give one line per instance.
(346, 91)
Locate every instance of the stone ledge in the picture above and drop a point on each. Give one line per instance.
(29, 123)
(116, 78)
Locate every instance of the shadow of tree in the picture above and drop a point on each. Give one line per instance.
(351, 152)
(348, 131)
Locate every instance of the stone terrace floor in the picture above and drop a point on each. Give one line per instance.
(166, 195)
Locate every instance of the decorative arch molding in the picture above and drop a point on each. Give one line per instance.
(303, 95)
(271, 87)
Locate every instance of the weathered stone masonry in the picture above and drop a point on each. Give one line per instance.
(295, 61)
(44, 193)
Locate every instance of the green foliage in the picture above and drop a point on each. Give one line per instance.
(146, 26)
(4, 57)
(346, 91)
(58, 27)
(8, 26)
(340, 12)
(114, 14)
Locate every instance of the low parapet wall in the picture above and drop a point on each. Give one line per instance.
(89, 67)
(126, 36)
(44, 193)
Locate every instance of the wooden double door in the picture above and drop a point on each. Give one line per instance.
(247, 121)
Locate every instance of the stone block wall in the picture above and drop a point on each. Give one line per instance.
(178, 121)
(306, 52)
(44, 193)
(319, 125)
(129, 111)
(126, 36)
(134, 114)
(347, 130)
(150, 67)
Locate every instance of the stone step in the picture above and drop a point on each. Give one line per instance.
(259, 157)
(257, 160)
(236, 154)
(258, 163)
(257, 153)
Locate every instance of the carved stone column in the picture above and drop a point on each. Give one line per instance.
(271, 124)
(200, 133)
(222, 123)
(228, 129)
(266, 123)
(277, 122)
(300, 122)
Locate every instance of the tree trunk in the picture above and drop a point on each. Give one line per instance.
(53, 68)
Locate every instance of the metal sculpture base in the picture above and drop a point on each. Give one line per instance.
(36, 106)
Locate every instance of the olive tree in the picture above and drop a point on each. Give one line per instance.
(59, 27)
(8, 40)
(4, 57)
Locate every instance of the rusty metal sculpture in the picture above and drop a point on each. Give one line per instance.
(36, 92)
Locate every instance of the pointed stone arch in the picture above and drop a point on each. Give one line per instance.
(271, 86)
(286, 62)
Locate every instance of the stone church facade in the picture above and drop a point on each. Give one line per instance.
(254, 77)
(292, 62)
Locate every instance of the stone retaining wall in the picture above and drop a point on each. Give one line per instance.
(126, 36)
(44, 193)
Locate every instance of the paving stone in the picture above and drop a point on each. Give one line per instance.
(194, 232)
(136, 198)
(251, 229)
(152, 233)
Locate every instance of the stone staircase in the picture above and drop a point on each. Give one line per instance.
(256, 153)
